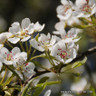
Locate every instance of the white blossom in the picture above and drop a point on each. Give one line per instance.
(4, 36)
(64, 52)
(44, 42)
(8, 57)
(85, 8)
(64, 11)
(23, 67)
(71, 35)
(24, 31)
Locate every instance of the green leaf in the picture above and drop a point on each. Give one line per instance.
(40, 87)
(24, 91)
(92, 91)
(76, 74)
(37, 37)
(44, 79)
(79, 63)
(17, 87)
(82, 26)
(39, 90)
(93, 20)
(49, 83)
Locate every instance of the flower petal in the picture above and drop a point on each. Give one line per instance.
(25, 23)
(14, 40)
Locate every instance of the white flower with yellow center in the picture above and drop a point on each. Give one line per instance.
(24, 31)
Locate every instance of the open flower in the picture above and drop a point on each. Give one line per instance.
(71, 35)
(8, 57)
(85, 8)
(44, 42)
(3, 37)
(23, 67)
(64, 11)
(64, 52)
(24, 31)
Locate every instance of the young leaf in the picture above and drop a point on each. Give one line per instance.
(44, 79)
(39, 90)
(79, 63)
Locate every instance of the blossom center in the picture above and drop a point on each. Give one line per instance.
(62, 53)
(9, 57)
(86, 8)
(66, 8)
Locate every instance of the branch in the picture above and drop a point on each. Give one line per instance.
(80, 57)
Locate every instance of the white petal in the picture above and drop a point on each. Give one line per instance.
(60, 25)
(13, 40)
(25, 23)
(48, 35)
(15, 50)
(29, 67)
(54, 50)
(3, 38)
(25, 38)
(93, 10)
(24, 55)
(47, 93)
(38, 27)
(7, 34)
(34, 44)
(70, 45)
(64, 2)
(18, 60)
(60, 9)
(31, 29)
(68, 60)
(8, 62)
(66, 16)
(3, 52)
(42, 37)
(80, 3)
(62, 45)
(53, 40)
(0, 66)
(15, 29)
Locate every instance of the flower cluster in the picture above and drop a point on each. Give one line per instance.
(63, 47)
(69, 13)
(15, 57)
(59, 48)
